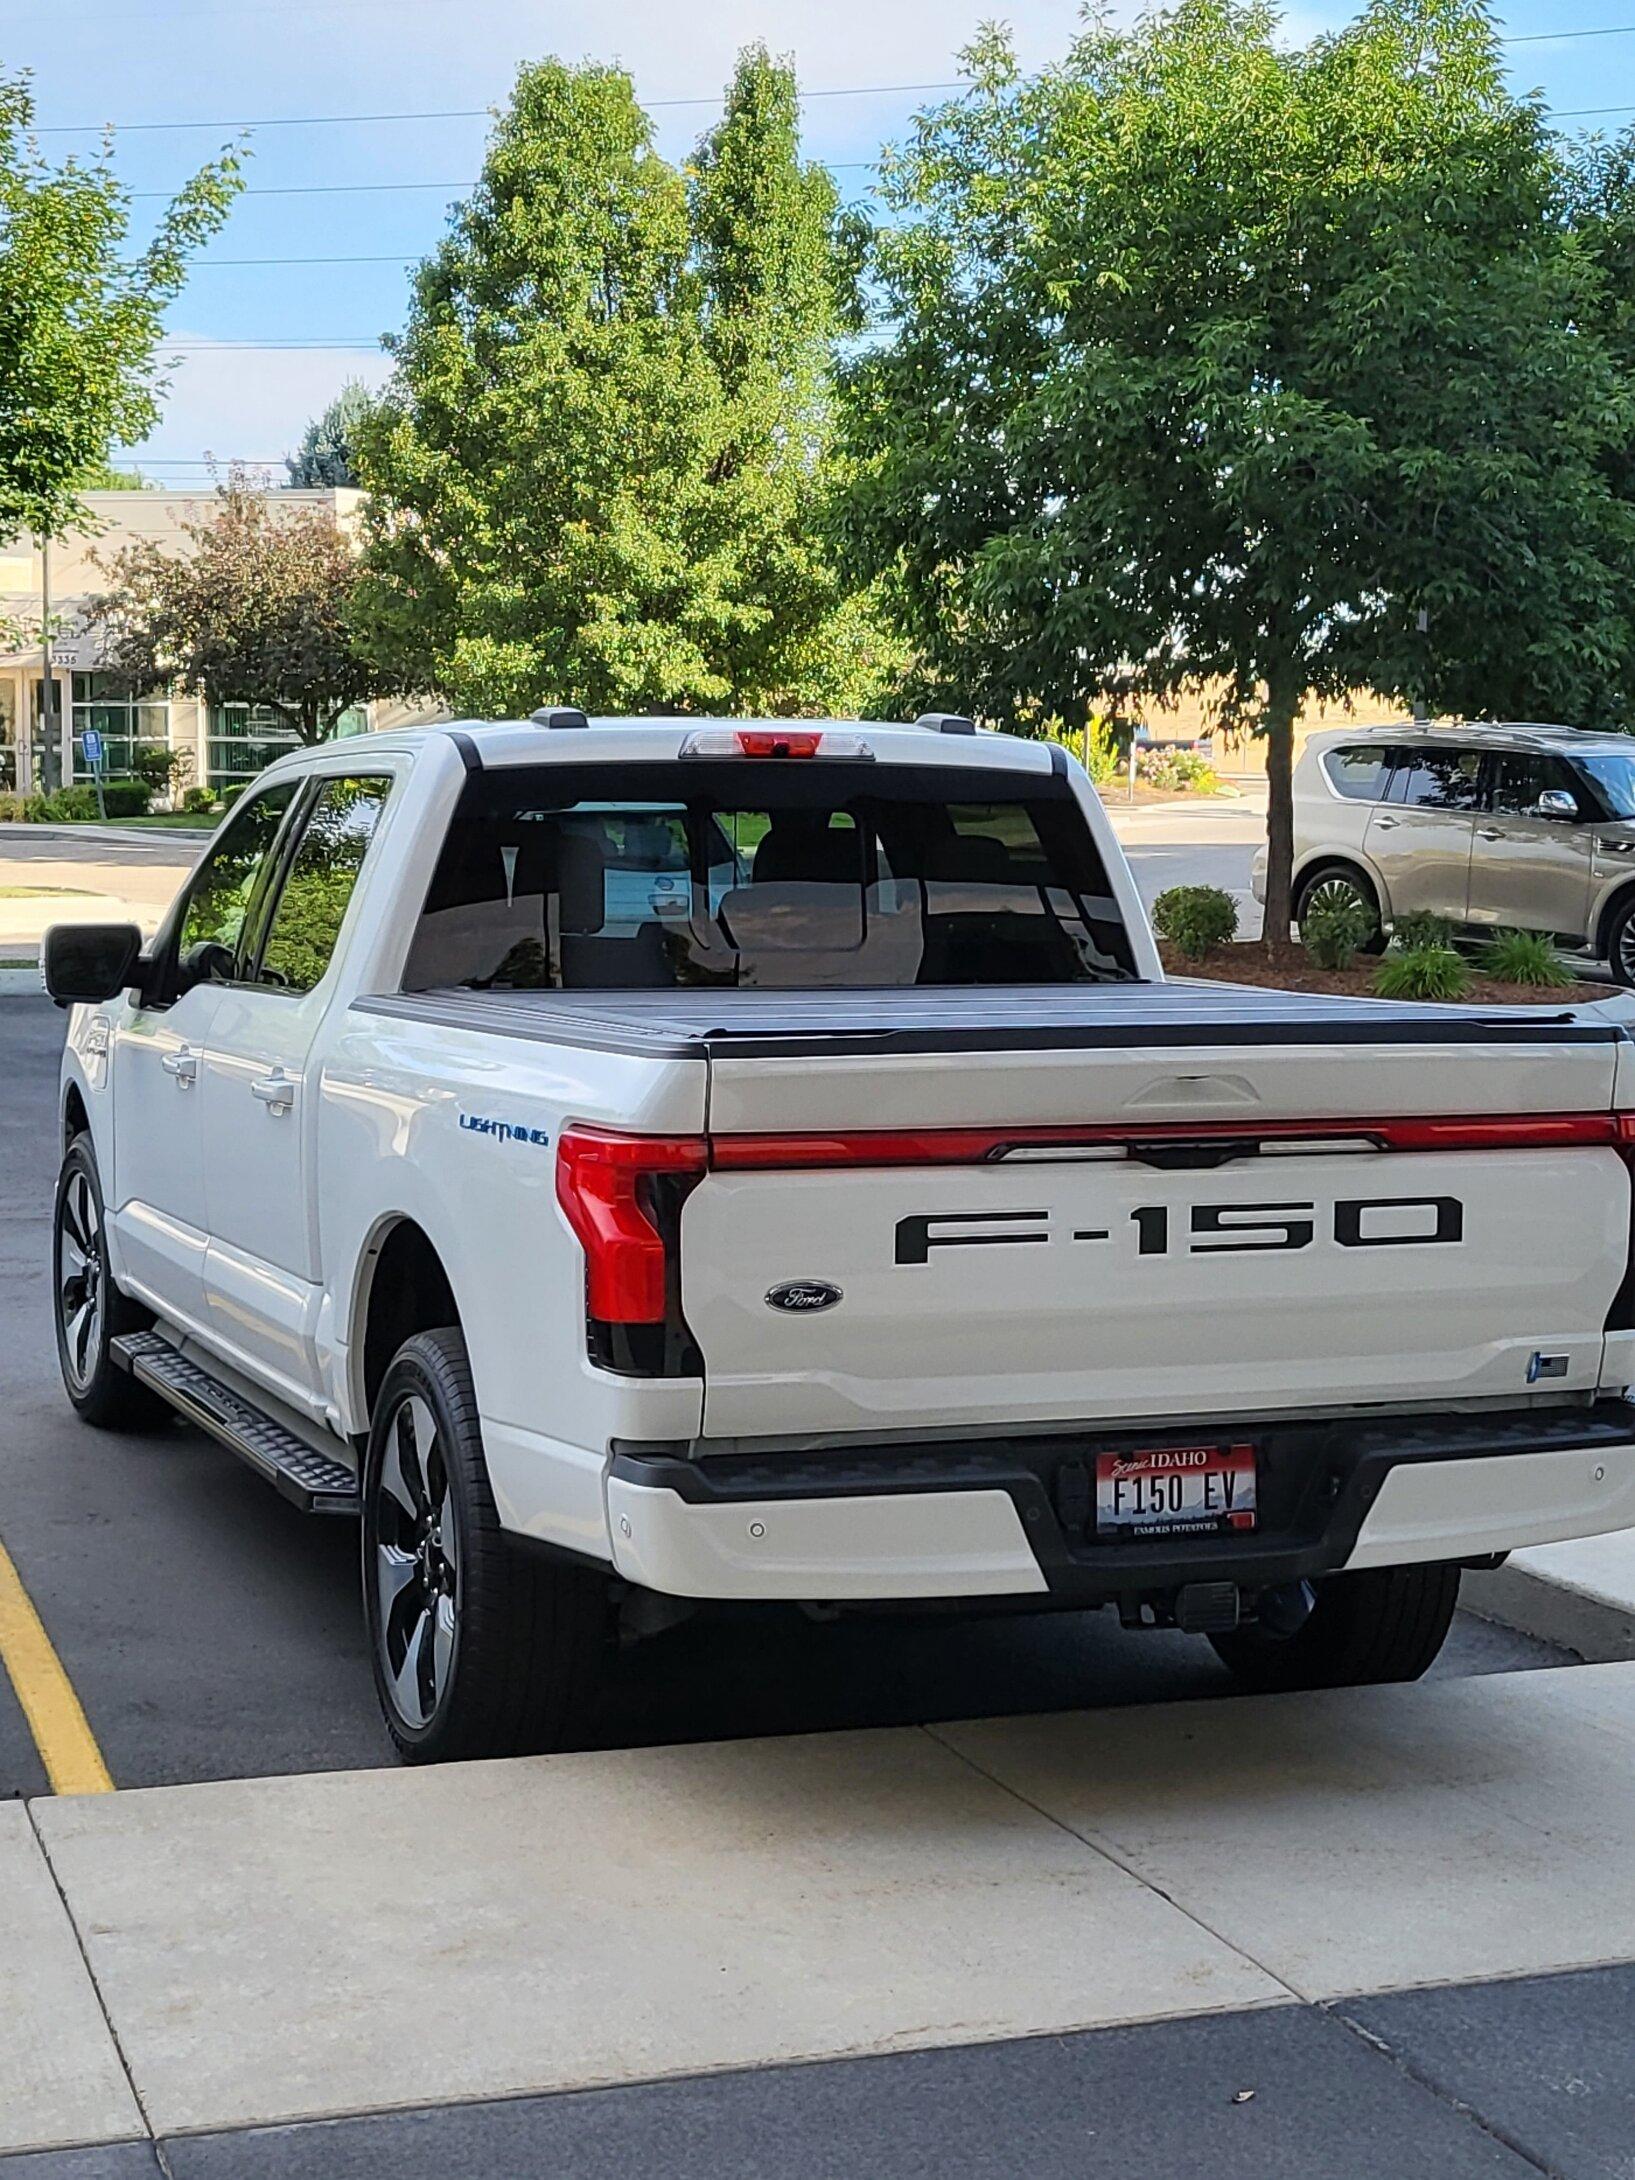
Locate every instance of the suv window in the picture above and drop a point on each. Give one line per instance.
(226, 885)
(782, 876)
(1436, 779)
(1519, 781)
(312, 904)
(1359, 774)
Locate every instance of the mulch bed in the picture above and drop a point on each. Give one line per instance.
(1252, 962)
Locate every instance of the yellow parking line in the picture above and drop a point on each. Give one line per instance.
(73, 1762)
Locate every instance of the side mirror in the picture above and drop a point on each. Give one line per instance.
(86, 963)
(1555, 802)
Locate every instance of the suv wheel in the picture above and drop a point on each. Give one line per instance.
(477, 1651)
(88, 1309)
(1621, 941)
(1339, 883)
(1386, 1624)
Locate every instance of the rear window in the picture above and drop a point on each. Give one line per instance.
(786, 875)
(1359, 774)
(1438, 779)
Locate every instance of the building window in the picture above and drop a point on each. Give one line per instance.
(246, 737)
(128, 725)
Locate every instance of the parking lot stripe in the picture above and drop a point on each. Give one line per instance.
(62, 1734)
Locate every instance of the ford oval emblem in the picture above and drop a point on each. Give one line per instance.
(797, 1295)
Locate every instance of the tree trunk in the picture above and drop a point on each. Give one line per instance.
(1283, 698)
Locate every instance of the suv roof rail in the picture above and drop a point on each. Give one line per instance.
(946, 723)
(558, 715)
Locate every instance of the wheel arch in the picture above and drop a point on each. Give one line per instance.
(76, 1114)
(1343, 859)
(1618, 895)
(403, 1286)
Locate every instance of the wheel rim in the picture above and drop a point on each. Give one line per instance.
(1335, 892)
(1623, 952)
(417, 1564)
(80, 1279)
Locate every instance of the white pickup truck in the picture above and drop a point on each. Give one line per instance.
(635, 1162)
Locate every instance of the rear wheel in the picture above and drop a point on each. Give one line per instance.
(476, 1650)
(1386, 1624)
(1621, 941)
(1337, 884)
(89, 1310)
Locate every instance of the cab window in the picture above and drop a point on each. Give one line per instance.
(312, 903)
(227, 887)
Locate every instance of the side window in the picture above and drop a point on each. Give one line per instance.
(307, 918)
(227, 885)
(1519, 781)
(1438, 779)
(1359, 775)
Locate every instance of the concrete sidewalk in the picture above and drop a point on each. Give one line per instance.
(187, 1963)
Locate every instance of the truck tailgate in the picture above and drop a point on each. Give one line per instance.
(1145, 1203)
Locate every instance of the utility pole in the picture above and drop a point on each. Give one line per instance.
(50, 752)
(1422, 710)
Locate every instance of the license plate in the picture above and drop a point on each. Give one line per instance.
(1169, 1491)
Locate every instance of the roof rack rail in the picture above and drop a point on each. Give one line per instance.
(558, 715)
(946, 723)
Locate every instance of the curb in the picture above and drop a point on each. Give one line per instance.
(185, 836)
(1599, 1627)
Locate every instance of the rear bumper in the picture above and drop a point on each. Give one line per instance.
(1013, 1518)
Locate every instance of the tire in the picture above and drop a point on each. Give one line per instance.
(1330, 881)
(1621, 941)
(476, 1650)
(1385, 1625)
(88, 1310)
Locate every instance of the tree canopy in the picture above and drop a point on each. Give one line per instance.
(594, 476)
(324, 459)
(79, 370)
(256, 611)
(1214, 363)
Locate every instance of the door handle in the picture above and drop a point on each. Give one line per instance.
(1488, 832)
(183, 1064)
(276, 1091)
(1383, 825)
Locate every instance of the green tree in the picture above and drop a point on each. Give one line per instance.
(256, 612)
(1222, 365)
(595, 475)
(79, 369)
(324, 459)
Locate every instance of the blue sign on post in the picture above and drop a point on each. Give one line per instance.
(91, 743)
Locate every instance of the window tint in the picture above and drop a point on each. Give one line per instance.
(1359, 774)
(1436, 779)
(227, 882)
(312, 905)
(778, 875)
(1519, 781)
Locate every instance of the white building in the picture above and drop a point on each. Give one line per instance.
(226, 743)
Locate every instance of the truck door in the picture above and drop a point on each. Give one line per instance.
(157, 1197)
(258, 1109)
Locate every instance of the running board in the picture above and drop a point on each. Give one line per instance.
(308, 1479)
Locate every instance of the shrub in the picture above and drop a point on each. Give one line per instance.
(1335, 930)
(1195, 919)
(1410, 934)
(13, 807)
(124, 798)
(1422, 972)
(1525, 957)
(1175, 770)
(227, 796)
(199, 801)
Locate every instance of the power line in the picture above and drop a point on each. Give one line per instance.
(1556, 37)
(338, 189)
(462, 113)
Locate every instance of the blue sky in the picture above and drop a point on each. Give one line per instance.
(186, 61)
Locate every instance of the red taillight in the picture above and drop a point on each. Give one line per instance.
(778, 741)
(603, 1184)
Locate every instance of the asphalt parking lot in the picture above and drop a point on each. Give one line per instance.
(212, 1632)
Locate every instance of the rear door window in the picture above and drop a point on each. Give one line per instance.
(782, 875)
(1436, 779)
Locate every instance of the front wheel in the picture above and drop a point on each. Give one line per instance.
(1386, 1624)
(476, 1650)
(89, 1310)
(1621, 942)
